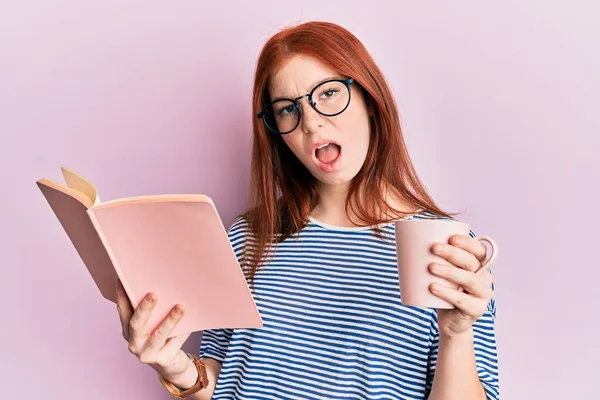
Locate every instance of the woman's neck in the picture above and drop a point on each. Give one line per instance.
(332, 205)
(331, 209)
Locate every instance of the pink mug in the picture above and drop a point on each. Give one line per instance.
(414, 241)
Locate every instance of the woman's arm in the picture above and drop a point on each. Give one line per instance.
(464, 356)
(456, 371)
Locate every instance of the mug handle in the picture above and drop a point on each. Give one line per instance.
(485, 265)
(491, 259)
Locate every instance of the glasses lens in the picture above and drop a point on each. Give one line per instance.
(331, 98)
(281, 116)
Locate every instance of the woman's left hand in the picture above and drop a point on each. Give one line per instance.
(465, 254)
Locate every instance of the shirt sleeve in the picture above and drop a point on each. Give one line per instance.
(215, 342)
(486, 355)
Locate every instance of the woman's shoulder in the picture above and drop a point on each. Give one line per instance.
(239, 225)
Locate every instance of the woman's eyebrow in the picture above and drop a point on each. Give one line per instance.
(323, 80)
(313, 85)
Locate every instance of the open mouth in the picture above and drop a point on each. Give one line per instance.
(327, 156)
(327, 153)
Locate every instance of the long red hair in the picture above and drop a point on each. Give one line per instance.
(283, 192)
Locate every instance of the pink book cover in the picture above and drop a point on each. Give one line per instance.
(173, 245)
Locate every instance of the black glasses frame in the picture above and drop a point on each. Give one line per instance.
(262, 114)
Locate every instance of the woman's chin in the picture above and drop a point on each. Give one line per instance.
(338, 179)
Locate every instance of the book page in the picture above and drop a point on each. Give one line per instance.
(82, 185)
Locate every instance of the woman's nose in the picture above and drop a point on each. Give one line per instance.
(310, 118)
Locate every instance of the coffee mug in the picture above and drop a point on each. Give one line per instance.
(414, 241)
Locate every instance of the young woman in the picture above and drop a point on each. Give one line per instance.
(330, 174)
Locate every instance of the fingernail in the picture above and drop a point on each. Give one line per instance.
(438, 248)
(150, 298)
(178, 309)
(435, 288)
(434, 268)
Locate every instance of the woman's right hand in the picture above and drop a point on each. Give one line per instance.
(153, 348)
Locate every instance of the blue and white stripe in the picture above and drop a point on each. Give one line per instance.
(334, 326)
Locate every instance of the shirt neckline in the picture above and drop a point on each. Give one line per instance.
(354, 228)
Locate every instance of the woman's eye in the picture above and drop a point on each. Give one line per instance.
(286, 110)
(329, 93)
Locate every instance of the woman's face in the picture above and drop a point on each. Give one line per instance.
(332, 148)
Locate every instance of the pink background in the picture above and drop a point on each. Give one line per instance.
(500, 106)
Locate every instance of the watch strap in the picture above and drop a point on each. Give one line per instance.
(201, 383)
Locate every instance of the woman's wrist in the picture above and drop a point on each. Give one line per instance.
(185, 379)
(457, 337)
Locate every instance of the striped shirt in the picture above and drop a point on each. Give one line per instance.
(334, 326)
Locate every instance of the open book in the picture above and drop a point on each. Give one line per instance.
(173, 245)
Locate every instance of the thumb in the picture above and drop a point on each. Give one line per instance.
(173, 345)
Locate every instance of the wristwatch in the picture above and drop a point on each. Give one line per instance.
(200, 384)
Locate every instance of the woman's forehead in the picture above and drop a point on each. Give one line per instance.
(298, 76)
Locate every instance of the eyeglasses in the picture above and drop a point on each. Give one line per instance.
(329, 98)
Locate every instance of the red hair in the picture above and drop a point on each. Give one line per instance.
(283, 192)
